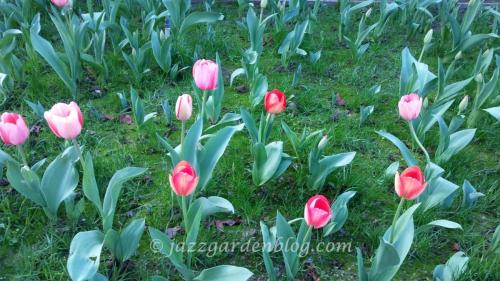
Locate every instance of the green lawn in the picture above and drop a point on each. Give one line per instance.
(32, 248)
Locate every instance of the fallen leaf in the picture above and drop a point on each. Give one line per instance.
(242, 89)
(126, 119)
(172, 231)
(339, 100)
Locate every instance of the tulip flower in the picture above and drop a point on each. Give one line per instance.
(275, 101)
(183, 107)
(13, 129)
(206, 74)
(65, 120)
(317, 211)
(60, 3)
(183, 179)
(410, 184)
(410, 106)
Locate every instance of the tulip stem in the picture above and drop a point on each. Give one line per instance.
(415, 137)
(79, 151)
(183, 130)
(186, 223)
(396, 216)
(204, 100)
(22, 154)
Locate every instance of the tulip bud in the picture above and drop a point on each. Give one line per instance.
(65, 120)
(60, 3)
(263, 4)
(463, 104)
(206, 74)
(410, 106)
(323, 142)
(317, 211)
(410, 184)
(368, 13)
(426, 103)
(428, 37)
(183, 179)
(184, 107)
(13, 129)
(471, 2)
(458, 55)
(275, 101)
(479, 78)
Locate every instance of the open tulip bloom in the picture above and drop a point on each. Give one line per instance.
(14, 131)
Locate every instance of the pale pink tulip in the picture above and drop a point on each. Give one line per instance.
(60, 3)
(205, 74)
(65, 120)
(410, 106)
(184, 107)
(13, 129)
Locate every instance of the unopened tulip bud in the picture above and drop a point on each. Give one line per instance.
(458, 55)
(479, 78)
(323, 142)
(263, 4)
(426, 103)
(463, 104)
(471, 2)
(410, 106)
(368, 13)
(428, 37)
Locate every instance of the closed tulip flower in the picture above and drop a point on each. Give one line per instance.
(184, 107)
(275, 101)
(205, 74)
(60, 3)
(13, 129)
(410, 184)
(183, 179)
(317, 211)
(65, 120)
(410, 106)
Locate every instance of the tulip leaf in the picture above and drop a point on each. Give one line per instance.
(436, 192)
(26, 182)
(453, 268)
(213, 151)
(190, 145)
(286, 238)
(494, 111)
(340, 213)
(209, 206)
(174, 155)
(326, 166)
(363, 275)
(168, 248)
(268, 246)
(197, 18)
(392, 169)
(84, 255)
(113, 192)
(249, 124)
(470, 195)
(224, 273)
(89, 185)
(59, 181)
(408, 157)
(268, 162)
(124, 244)
(445, 224)
(258, 90)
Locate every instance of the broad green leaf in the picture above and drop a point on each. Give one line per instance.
(446, 224)
(199, 17)
(436, 192)
(286, 237)
(124, 244)
(494, 111)
(58, 182)
(209, 206)
(408, 157)
(190, 145)
(26, 182)
(90, 188)
(84, 255)
(470, 195)
(224, 273)
(340, 213)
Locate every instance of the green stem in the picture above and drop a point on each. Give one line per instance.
(79, 151)
(203, 105)
(186, 224)
(415, 137)
(22, 154)
(421, 54)
(183, 130)
(396, 216)
(261, 12)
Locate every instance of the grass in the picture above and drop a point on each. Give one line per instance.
(32, 248)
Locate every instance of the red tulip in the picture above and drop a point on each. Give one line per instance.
(65, 120)
(13, 129)
(410, 106)
(275, 101)
(410, 184)
(183, 179)
(60, 3)
(317, 211)
(206, 74)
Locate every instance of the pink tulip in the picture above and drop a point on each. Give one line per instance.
(13, 129)
(410, 184)
(410, 106)
(60, 3)
(65, 120)
(275, 101)
(206, 74)
(184, 107)
(317, 211)
(183, 179)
